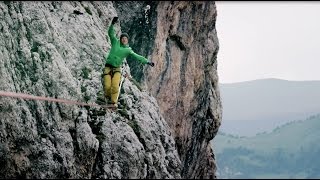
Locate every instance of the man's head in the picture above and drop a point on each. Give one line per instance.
(124, 38)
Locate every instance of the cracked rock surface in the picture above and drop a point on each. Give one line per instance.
(56, 49)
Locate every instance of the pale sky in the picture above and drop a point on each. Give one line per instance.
(268, 40)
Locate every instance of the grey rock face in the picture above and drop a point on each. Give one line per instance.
(165, 119)
(140, 141)
(184, 80)
(48, 50)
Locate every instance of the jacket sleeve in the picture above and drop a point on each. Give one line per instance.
(138, 57)
(112, 35)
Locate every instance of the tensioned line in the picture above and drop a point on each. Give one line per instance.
(41, 98)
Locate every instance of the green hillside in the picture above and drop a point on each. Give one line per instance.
(289, 151)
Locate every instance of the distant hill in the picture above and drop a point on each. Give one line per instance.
(289, 151)
(260, 105)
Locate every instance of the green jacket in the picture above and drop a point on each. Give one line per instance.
(119, 51)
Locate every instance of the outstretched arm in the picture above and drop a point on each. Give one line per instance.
(141, 58)
(111, 32)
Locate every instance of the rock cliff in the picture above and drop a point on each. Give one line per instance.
(167, 114)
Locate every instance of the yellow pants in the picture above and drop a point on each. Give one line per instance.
(111, 83)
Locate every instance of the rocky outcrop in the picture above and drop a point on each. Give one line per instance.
(48, 50)
(165, 119)
(184, 80)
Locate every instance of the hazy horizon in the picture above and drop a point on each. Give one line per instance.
(261, 40)
(256, 106)
(269, 79)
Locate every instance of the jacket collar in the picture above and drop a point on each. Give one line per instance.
(125, 46)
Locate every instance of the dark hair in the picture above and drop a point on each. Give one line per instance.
(124, 35)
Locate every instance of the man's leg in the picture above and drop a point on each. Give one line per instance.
(107, 82)
(115, 87)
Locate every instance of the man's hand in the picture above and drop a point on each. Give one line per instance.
(114, 20)
(150, 63)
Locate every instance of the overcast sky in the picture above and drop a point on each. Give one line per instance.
(268, 40)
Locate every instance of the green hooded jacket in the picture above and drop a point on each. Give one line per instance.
(120, 51)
